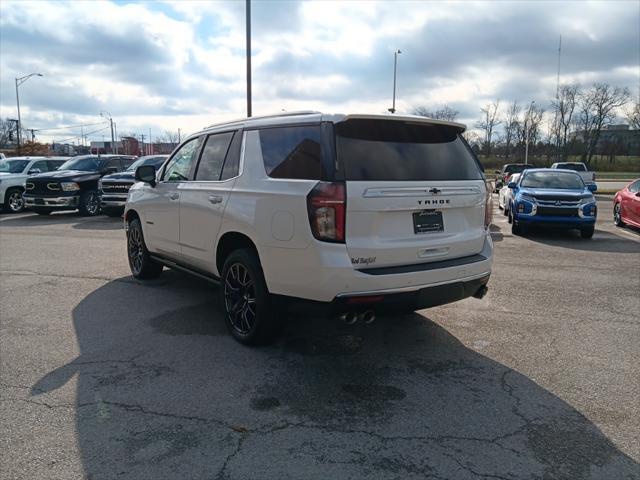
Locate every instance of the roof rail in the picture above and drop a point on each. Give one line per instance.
(273, 115)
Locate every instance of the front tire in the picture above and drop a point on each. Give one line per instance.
(587, 232)
(249, 310)
(89, 203)
(140, 262)
(617, 216)
(42, 210)
(13, 201)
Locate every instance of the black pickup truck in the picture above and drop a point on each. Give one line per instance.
(74, 185)
(114, 188)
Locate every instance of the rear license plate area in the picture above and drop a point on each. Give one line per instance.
(427, 221)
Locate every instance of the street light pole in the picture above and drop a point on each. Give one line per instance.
(248, 53)
(395, 68)
(526, 131)
(20, 81)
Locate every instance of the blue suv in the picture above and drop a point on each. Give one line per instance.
(558, 198)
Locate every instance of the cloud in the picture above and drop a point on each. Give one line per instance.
(181, 64)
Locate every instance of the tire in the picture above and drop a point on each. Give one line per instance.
(617, 218)
(515, 228)
(89, 203)
(505, 210)
(13, 201)
(42, 210)
(509, 216)
(243, 285)
(587, 232)
(140, 262)
(113, 212)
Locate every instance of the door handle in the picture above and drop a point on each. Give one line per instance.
(174, 196)
(215, 199)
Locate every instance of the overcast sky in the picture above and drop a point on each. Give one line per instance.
(169, 65)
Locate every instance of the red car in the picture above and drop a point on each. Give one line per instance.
(626, 205)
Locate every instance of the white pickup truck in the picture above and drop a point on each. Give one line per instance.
(580, 168)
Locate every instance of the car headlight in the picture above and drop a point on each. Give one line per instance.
(70, 186)
(585, 200)
(527, 198)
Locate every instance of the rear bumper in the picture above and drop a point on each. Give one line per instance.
(66, 202)
(325, 274)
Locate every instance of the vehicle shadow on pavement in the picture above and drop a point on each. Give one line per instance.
(74, 219)
(164, 392)
(602, 241)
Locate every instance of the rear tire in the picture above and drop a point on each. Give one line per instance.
(140, 262)
(42, 211)
(249, 310)
(89, 203)
(509, 216)
(587, 232)
(617, 217)
(13, 201)
(515, 228)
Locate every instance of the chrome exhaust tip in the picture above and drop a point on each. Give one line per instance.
(368, 317)
(349, 318)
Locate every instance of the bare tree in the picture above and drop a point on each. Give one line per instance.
(511, 124)
(633, 115)
(8, 132)
(598, 108)
(488, 123)
(445, 113)
(169, 136)
(564, 106)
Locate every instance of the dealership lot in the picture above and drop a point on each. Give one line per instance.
(102, 376)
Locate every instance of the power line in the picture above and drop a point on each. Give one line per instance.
(70, 126)
(86, 134)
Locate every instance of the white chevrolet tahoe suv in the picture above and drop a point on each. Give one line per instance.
(358, 213)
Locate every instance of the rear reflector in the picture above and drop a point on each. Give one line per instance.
(365, 299)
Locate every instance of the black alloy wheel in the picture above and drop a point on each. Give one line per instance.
(240, 298)
(140, 262)
(251, 314)
(89, 203)
(14, 202)
(617, 217)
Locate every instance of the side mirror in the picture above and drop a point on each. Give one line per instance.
(637, 194)
(497, 172)
(33, 171)
(110, 170)
(512, 185)
(146, 174)
(592, 187)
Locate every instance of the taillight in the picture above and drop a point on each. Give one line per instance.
(326, 205)
(488, 206)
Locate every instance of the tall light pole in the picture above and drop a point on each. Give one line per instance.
(107, 115)
(20, 81)
(526, 131)
(395, 69)
(248, 31)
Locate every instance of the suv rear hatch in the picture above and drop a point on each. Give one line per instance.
(415, 192)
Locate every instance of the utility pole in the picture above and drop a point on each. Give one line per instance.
(115, 128)
(248, 29)
(395, 68)
(150, 144)
(142, 141)
(108, 117)
(526, 131)
(178, 135)
(33, 135)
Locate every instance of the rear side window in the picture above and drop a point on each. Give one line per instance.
(213, 154)
(391, 150)
(576, 167)
(292, 152)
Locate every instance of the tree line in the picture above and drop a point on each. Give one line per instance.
(573, 125)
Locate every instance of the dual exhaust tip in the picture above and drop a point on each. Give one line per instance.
(350, 318)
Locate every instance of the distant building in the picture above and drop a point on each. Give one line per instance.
(616, 139)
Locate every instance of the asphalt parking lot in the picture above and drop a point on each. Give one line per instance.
(104, 377)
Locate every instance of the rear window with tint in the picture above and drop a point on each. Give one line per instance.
(292, 152)
(391, 150)
(576, 167)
